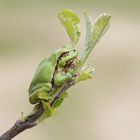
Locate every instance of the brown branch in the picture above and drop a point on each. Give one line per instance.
(30, 122)
(21, 125)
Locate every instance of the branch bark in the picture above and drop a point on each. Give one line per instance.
(21, 125)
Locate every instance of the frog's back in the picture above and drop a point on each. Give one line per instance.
(46, 68)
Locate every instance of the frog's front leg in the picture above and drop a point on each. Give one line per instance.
(39, 92)
(62, 77)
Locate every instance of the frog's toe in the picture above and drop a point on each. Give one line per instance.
(44, 96)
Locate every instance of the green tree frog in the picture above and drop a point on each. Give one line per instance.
(51, 73)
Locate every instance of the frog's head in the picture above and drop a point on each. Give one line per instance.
(68, 57)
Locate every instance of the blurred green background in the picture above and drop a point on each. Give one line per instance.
(104, 108)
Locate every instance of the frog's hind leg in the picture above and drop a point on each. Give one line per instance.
(38, 95)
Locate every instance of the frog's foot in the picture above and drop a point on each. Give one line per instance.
(47, 86)
(43, 95)
(38, 95)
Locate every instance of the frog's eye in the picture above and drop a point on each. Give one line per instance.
(64, 54)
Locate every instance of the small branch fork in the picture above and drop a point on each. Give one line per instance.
(21, 125)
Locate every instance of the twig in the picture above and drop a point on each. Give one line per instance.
(21, 125)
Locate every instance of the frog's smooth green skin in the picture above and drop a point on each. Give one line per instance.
(53, 70)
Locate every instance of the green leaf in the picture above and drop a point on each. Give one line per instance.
(58, 102)
(48, 109)
(94, 31)
(47, 113)
(85, 74)
(89, 29)
(70, 21)
(65, 95)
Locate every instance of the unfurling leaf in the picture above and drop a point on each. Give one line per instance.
(94, 32)
(70, 21)
(58, 102)
(85, 74)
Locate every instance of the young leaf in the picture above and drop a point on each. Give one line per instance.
(85, 74)
(58, 102)
(47, 113)
(70, 21)
(94, 32)
(89, 29)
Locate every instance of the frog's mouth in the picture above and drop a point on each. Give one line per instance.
(70, 63)
(67, 61)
